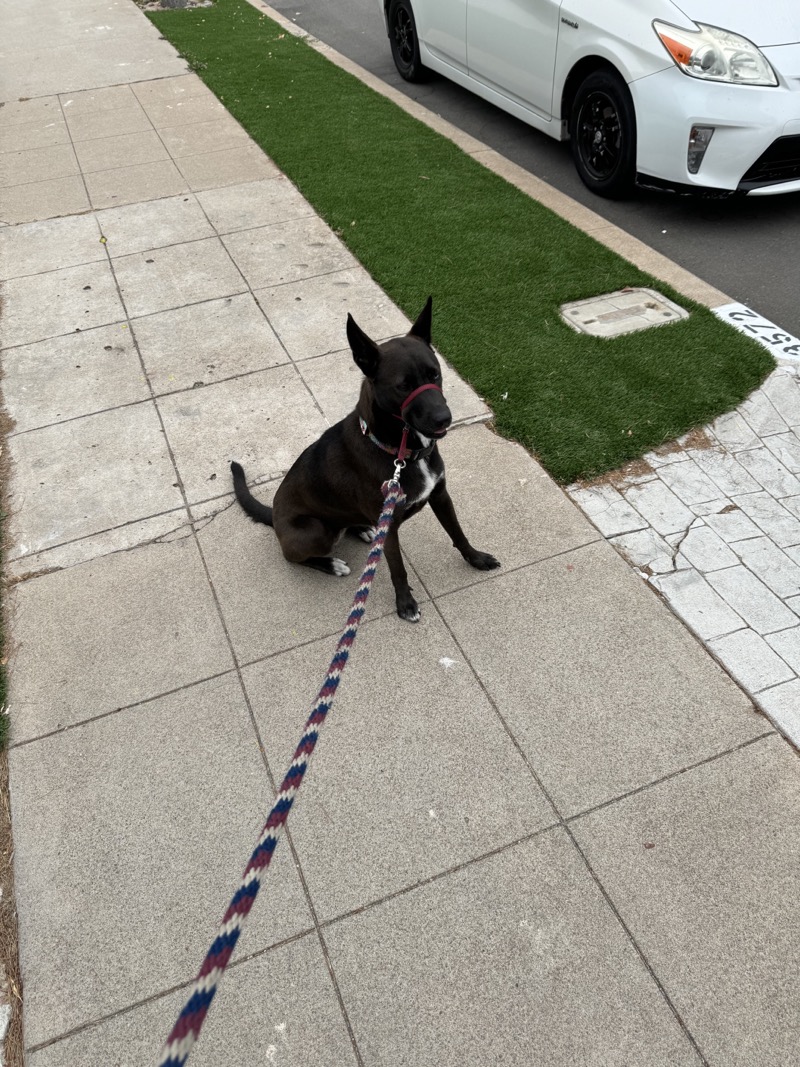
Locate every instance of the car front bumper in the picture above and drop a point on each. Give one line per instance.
(748, 121)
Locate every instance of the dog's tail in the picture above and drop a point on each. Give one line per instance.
(257, 511)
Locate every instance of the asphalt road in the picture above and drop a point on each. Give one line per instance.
(748, 248)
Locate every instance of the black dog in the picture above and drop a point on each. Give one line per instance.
(335, 484)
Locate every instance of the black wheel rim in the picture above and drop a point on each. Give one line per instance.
(404, 36)
(600, 135)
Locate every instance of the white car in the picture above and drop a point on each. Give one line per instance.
(678, 94)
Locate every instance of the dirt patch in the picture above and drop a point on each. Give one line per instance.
(170, 5)
(699, 440)
(637, 470)
(10, 979)
(640, 470)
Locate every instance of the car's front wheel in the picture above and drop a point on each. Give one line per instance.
(404, 41)
(602, 130)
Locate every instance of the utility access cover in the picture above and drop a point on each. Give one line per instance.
(622, 312)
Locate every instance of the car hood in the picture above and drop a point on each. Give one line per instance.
(768, 23)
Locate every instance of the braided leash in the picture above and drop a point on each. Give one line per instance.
(187, 1028)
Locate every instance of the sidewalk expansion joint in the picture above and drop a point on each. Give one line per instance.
(668, 777)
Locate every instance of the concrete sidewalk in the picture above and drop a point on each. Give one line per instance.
(543, 827)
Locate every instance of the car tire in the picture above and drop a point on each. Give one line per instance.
(404, 41)
(602, 129)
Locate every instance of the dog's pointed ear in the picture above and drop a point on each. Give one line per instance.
(422, 327)
(365, 351)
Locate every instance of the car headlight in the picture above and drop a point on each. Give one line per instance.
(715, 55)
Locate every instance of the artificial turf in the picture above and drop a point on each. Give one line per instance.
(424, 218)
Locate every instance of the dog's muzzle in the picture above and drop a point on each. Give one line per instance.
(413, 395)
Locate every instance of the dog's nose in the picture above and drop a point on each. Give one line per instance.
(441, 422)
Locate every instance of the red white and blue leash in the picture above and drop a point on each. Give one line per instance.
(187, 1028)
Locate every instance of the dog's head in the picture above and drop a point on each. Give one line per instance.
(397, 368)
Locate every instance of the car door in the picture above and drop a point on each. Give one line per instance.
(511, 47)
(442, 26)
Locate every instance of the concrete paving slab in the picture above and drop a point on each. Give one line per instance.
(94, 21)
(117, 630)
(90, 474)
(782, 704)
(270, 605)
(119, 539)
(59, 302)
(162, 91)
(181, 110)
(712, 902)
(198, 138)
(776, 519)
(212, 169)
(750, 598)
(243, 207)
(89, 124)
(50, 67)
(171, 277)
(705, 550)
(310, 316)
(153, 224)
(139, 802)
(774, 567)
(765, 468)
(25, 136)
(507, 505)
(750, 660)
(608, 509)
(129, 185)
(36, 247)
(787, 644)
(700, 607)
(42, 110)
(589, 674)
(725, 471)
(205, 343)
(659, 506)
(264, 420)
(782, 391)
(67, 377)
(647, 551)
(91, 101)
(43, 200)
(287, 252)
(109, 153)
(335, 381)
(279, 1008)
(37, 164)
(516, 959)
(395, 766)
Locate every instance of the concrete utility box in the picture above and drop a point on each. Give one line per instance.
(625, 311)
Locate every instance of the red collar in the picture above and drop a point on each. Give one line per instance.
(402, 452)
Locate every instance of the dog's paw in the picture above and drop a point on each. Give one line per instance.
(339, 567)
(365, 532)
(408, 609)
(482, 561)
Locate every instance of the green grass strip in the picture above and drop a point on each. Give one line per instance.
(424, 218)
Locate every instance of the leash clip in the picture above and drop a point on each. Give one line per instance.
(399, 466)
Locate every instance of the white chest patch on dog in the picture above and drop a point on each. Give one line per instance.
(429, 480)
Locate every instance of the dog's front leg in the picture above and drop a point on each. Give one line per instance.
(407, 607)
(445, 512)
